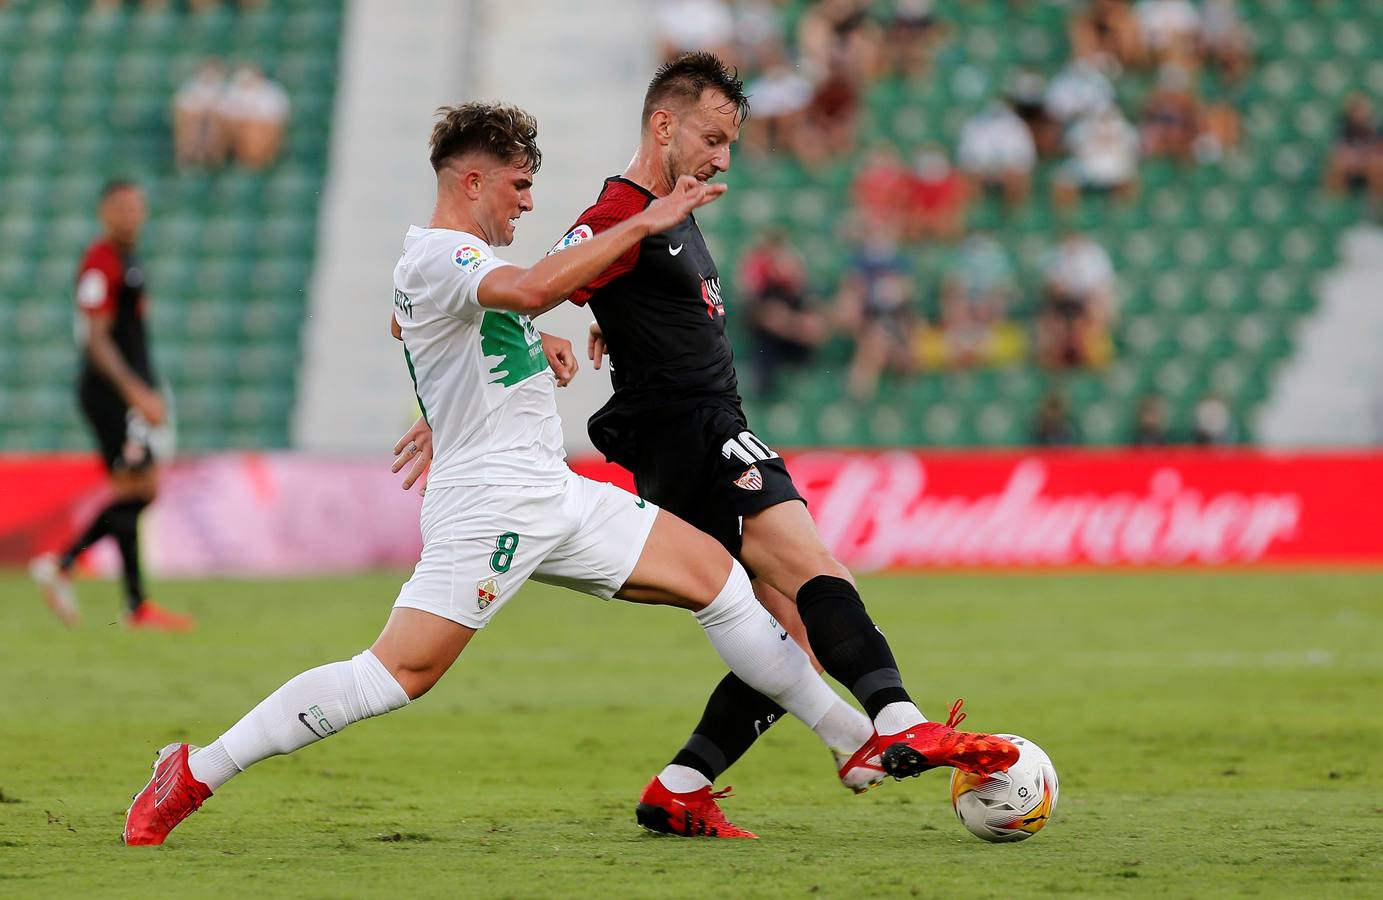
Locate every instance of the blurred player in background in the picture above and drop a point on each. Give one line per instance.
(117, 394)
(502, 506)
(675, 421)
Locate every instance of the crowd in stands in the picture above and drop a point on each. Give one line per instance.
(809, 82)
(218, 117)
(1212, 423)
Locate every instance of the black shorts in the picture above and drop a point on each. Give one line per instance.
(121, 435)
(708, 468)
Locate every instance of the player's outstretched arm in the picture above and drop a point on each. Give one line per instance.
(547, 283)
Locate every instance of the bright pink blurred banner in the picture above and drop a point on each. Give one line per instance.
(238, 514)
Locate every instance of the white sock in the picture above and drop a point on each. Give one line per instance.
(898, 717)
(683, 779)
(844, 729)
(747, 638)
(314, 705)
(212, 765)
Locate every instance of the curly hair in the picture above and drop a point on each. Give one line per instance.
(499, 129)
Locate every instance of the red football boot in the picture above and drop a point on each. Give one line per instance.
(171, 795)
(690, 815)
(863, 769)
(932, 744)
(57, 589)
(151, 616)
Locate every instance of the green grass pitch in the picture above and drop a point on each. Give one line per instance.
(1216, 733)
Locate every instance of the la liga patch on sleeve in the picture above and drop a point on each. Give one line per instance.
(575, 236)
(468, 257)
(92, 289)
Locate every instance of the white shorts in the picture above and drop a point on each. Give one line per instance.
(481, 543)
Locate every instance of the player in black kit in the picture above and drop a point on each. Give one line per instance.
(676, 422)
(119, 401)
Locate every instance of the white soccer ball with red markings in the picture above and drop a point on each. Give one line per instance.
(1008, 806)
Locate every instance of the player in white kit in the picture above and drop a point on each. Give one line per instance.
(501, 505)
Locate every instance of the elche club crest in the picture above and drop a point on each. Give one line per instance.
(751, 480)
(487, 592)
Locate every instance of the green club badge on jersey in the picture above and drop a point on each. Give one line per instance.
(512, 339)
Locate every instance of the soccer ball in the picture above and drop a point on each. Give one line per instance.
(1008, 806)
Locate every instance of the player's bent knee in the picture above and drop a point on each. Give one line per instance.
(679, 566)
(415, 687)
(416, 682)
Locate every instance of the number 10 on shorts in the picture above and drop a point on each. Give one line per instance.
(747, 448)
(503, 557)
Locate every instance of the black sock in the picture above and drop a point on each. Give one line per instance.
(99, 528)
(849, 646)
(735, 716)
(124, 527)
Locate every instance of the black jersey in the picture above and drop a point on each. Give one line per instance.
(111, 283)
(660, 309)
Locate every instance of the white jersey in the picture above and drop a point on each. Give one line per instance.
(481, 378)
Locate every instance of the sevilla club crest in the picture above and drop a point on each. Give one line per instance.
(751, 480)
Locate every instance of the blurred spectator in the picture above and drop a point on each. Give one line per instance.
(997, 150)
(758, 35)
(1213, 422)
(1219, 121)
(1078, 309)
(1104, 159)
(841, 37)
(683, 25)
(1356, 158)
(939, 198)
(1027, 94)
(781, 96)
(1108, 27)
(1150, 422)
(1171, 116)
(881, 191)
(1169, 28)
(783, 327)
(199, 140)
(831, 118)
(1081, 89)
(255, 111)
(911, 36)
(976, 289)
(1224, 44)
(874, 307)
(1053, 427)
